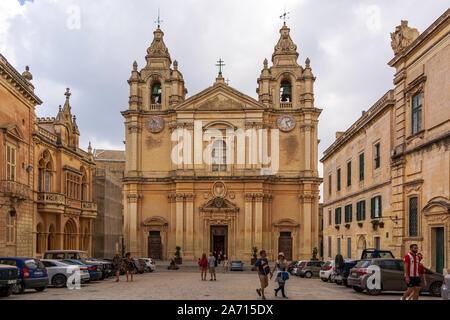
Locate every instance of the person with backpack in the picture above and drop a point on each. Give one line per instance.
(281, 275)
(263, 268)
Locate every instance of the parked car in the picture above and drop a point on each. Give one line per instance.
(32, 274)
(294, 268)
(139, 265)
(342, 278)
(107, 266)
(291, 266)
(236, 265)
(94, 270)
(150, 265)
(59, 272)
(310, 268)
(76, 255)
(8, 278)
(371, 253)
(392, 277)
(445, 290)
(326, 270)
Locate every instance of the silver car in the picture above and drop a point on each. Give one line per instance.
(59, 272)
(445, 289)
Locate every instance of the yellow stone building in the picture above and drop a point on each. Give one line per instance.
(411, 126)
(221, 171)
(45, 178)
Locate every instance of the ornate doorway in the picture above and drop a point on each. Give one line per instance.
(219, 240)
(285, 244)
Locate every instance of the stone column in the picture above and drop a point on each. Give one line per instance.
(132, 223)
(306, 200)
(179, 221)
(307, 133)
(248, 222)
(189, 250)
(258, 220)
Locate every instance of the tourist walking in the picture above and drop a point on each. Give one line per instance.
(203, 266)
(281, 275)
(411, 263)
(117, 264)
(263, 268)
(226, 264)
(212, 263)
(421, 275)
(129, 265)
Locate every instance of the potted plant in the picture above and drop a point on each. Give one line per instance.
(360, 224)
(178, 259)
(347, 225)
(314, 254)
(254, 255)
(375, 224)
(337, 227)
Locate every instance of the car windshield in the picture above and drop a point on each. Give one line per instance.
(325, 266)
(33, 264)
(9, 262)
(362, 264)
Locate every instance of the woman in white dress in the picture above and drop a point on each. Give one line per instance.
(280, 267)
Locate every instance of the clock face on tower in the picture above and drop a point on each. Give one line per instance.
(155, 124)
(286, 123)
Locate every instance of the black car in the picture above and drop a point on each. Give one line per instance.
(342, 278)
(8, 278)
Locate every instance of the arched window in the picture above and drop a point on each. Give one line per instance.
(84, 185)
(285, 91)
(70, 235)
(219, 156)
(156, 93)
(45, 173)
(39, 238)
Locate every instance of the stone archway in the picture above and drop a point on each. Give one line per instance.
(70, 235)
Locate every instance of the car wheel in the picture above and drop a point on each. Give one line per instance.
(18, 288)
(435, 289)
(358, 289)
(59, 281)
(40, 289)
(308, 275)
(6, 291)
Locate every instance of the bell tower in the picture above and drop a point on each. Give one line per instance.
(157, 86)
(286, 85)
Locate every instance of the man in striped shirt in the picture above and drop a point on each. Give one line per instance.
(411, 262)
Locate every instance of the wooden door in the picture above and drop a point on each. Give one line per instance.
(155, 245)
(285, 245)
(440, 250)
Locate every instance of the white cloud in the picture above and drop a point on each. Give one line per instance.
(9, 9)
(370, 15)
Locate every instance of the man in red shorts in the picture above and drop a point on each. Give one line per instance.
(411, 262)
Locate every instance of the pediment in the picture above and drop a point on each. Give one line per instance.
(13, 131)
(220, 97)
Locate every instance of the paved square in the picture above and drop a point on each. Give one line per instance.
(168, 285)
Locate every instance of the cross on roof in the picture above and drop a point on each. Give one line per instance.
(158, 20)
(284, 16)
(227, 81)
(220, 64)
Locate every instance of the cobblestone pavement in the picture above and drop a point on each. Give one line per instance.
(168, 285)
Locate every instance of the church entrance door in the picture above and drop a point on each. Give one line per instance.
(154, 245)
(285, 244)
(219, 240)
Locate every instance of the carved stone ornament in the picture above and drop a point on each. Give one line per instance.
(285, 45)
(286, 123)
(219, 189)
(155, 124)
(403, 36)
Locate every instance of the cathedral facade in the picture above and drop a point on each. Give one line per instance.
(221, 171)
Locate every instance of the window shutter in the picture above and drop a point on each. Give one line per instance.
(372, 208)
(363, 210)
(379, 203)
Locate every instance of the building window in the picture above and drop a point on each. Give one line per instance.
(329, 246)
(349, 173)
(377, 155)
(349, 248)
(375, 207)
(329, 184)
(338, 245)
(156, 93)
(338, 179)
(219, 156)
(348, 213)
(329, 217)
(416, 113)
(10, 163)
(361, 167)
(337, 216)
(413, 221)
(361, 210)
(377, 243)
(285, 91)
(45, 173)
(11, 229)
(73, 186)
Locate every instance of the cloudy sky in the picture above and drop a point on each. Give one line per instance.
(90, 46)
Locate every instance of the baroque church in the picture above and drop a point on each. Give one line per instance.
(251, 183)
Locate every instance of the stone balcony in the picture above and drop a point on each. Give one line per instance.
(286, 105)
(14, 189)
(51, 202)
